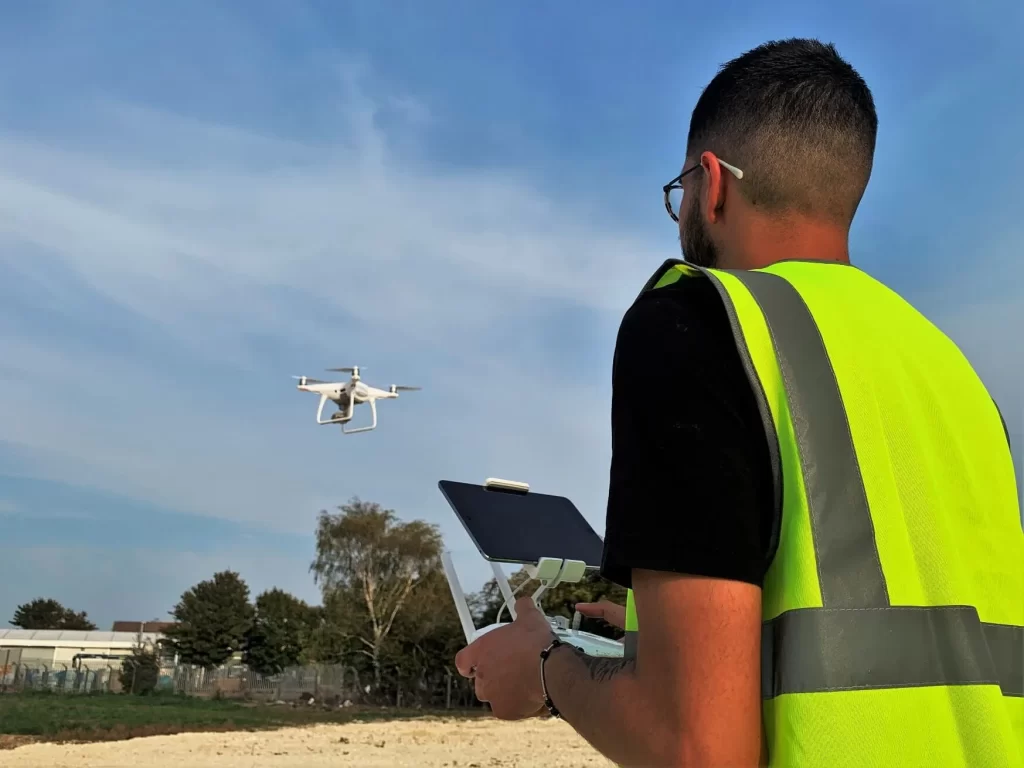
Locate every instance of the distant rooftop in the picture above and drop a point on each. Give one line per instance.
(141, 626)
(72, 636)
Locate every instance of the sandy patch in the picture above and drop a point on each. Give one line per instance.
(482, 743)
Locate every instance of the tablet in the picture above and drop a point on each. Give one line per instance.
(516, 527)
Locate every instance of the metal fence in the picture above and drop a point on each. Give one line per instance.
(60, 678)
(320, 685)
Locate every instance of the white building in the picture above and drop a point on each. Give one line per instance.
(58, 647)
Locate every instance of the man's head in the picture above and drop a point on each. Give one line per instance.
(798, 124)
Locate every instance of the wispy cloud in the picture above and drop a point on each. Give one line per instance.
(349, 224)
(184, 275)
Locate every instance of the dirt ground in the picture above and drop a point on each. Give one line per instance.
(478, 743)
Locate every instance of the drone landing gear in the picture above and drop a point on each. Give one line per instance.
(339, 417)
(344, 416)
(373, 424)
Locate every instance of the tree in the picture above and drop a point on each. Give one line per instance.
(420, 650)
(140, 672)
(369, 561)
(328, 639)
(46, 613)
(213, 618)
(279, 629)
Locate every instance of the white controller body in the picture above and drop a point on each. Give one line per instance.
(590, 644)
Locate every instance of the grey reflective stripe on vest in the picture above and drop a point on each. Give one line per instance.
(849, 570)
(857, 640)
(814, 650)
(629, 645)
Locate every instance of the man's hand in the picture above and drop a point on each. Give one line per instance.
(505, 663)
(692, 694)
(606, 610)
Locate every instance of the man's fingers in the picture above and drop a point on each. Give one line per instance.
(611, 612)
(525, 604)
(480, 689)
(465, 661)
(593, 610)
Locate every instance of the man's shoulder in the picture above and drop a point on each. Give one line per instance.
(689, 304)
(690, 483)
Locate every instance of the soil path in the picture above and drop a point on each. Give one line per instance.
(482, 743)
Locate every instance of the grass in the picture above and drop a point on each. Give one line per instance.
(46, 716)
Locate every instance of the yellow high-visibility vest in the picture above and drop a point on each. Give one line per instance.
(893, 609)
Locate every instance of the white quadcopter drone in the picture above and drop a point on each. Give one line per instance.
(347, 395)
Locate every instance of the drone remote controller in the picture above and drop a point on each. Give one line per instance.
(549, 571)
(590, 644)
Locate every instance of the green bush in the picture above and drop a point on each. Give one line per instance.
(140, 672)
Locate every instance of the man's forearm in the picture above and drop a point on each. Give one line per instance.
(603, 700)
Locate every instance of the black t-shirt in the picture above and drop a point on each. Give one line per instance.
(691, 486)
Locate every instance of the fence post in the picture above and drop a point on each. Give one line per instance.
(357, 684)
(135, 673)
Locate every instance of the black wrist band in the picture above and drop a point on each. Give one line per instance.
(552, 709)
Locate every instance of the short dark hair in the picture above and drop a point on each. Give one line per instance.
(798, 120)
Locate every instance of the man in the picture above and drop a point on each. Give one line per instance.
(819, 523)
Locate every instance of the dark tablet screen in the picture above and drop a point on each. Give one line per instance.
(512, 527)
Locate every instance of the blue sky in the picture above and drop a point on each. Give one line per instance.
(197, 202)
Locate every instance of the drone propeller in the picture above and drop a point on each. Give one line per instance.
(308, 380)
(396, 388)
(354, 370)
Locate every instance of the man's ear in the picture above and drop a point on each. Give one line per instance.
(713, 190)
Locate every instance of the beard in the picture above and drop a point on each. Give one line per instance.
(698, 248)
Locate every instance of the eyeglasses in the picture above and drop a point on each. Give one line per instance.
(674, 189)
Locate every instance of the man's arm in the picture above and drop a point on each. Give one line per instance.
(689, 527)
(691, 697)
